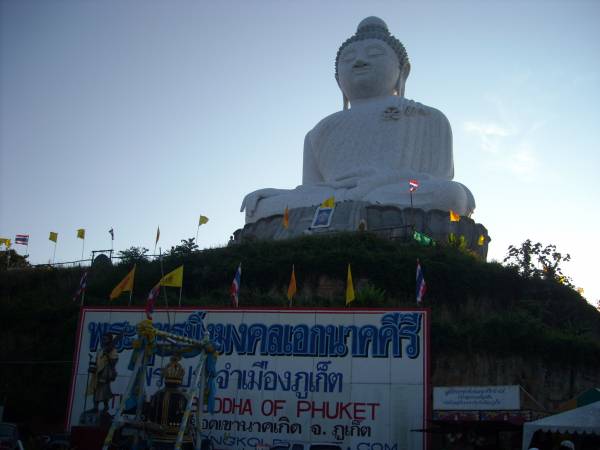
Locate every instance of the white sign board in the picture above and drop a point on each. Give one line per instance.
(476, 398)
(354, 376)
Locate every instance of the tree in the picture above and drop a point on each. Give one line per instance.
(186, 248)
(133, 255)
(10, 259)
(533, 260)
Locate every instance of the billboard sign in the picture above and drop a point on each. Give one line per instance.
(358, 377)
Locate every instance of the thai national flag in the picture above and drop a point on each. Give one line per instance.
(234, 291)
(82, 286)
(22, 239)
(413, 185)
(421, 286)
(152, 296)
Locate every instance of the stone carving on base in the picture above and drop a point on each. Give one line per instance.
(379, 141)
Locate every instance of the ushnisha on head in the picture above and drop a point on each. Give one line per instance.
(371, 63)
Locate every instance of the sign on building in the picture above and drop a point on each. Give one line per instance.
(477, 398)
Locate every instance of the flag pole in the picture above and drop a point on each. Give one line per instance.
(130, 295)
(197, 230)
(162, 274)
(82, 248)
(180, 289)
(54, 253)
(412, 211)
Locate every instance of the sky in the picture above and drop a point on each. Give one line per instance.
(132, 115)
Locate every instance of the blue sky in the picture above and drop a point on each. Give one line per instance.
(131, 114)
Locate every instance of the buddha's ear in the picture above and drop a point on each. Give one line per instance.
(344, 98)
(402, 79)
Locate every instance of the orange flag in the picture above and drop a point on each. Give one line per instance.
(454, 217)
(292, 287)
(286, 218)
(126, 285)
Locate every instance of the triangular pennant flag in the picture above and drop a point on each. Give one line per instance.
(125, 285)
(349, 287)
(292, 286)
(286, 218)
(202, 220)
(481, 240)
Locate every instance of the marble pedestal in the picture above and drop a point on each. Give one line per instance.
(387, 221)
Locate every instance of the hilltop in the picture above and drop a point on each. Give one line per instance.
(490, 325)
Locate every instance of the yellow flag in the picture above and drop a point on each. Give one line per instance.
(81, 233)
(286, 218)
(481, 240)
(173, 279)
(126, 285)
(329, 203)
(349, 287)
(5, 241)
(454, 217)
(203, 220)
(292, 287)
(53, 236)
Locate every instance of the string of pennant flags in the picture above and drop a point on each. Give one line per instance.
(175, 279)
(23, 239)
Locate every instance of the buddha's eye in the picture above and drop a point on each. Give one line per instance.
(375, 50)
(348, 55)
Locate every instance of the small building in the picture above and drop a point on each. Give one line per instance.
(481, 417)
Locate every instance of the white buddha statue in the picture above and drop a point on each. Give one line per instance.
(370, 150)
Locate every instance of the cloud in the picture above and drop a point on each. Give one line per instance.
(490, 134)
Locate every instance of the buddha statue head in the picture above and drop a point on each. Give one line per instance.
(372, 63)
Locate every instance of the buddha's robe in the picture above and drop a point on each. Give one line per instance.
(369, 153)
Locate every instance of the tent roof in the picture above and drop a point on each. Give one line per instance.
(585, 419)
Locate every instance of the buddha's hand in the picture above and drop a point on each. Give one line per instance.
(251, 200)
(352, 179)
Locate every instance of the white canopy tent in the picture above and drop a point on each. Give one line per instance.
(585, 419)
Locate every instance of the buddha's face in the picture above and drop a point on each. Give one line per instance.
(368, 68)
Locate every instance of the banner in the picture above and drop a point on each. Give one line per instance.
(356, 377)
